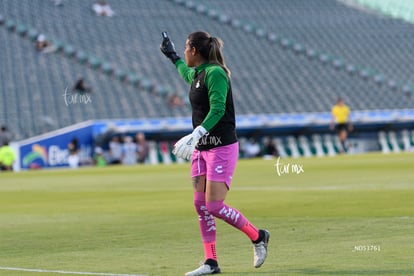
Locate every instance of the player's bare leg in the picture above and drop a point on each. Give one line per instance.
(343, 135)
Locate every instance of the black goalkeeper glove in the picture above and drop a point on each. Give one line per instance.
(168, 49)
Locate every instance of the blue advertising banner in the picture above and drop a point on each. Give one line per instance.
(52, 149)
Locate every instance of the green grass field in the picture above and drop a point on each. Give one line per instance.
(345, 215)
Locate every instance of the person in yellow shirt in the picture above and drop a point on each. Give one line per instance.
(341, 114)
(7, 157)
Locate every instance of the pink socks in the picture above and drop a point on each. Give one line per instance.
(206, 214)
(233, 217)
(207, 226)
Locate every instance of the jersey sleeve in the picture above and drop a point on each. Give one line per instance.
(217, 85)
(185, 72)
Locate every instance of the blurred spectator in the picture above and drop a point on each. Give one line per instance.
(99, 158)
(175, 101)
(143, 147)
(5, 136)
(81, 87)
(269, 148)
(101, 8)
(41, 42)
(129, 151)
(251, 148)
(7, 157)
(115, 151)
(43, 45)
(73, 148)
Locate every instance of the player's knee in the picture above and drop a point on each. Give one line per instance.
(215, 208)
(200, 203)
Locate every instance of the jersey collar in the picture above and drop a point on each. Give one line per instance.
(201, 67)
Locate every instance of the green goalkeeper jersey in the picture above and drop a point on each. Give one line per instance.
(212, 103)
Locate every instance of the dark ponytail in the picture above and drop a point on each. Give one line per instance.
(209, 48)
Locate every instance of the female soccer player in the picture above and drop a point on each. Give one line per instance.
(212, 146)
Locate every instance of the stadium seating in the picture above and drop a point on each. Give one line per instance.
(285, 56)
(385, 147)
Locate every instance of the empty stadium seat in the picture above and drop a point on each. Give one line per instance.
(133, 79)
(21, 29)
(305, 146)
(32, 33)
(94, 62)
(330, 147)
(10, 24)
(293, 147)
(385, 147)
(120, 74)
(318, 144)
(406, 140)
(69, 50)
(393, 140)
(280, 147)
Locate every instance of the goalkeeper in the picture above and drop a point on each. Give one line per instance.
(212, 147)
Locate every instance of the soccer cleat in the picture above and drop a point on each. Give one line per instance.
(205, 269)
(260, 249)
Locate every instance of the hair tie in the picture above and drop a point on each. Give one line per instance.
(211, 39)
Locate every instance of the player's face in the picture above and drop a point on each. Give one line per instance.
(189, 53)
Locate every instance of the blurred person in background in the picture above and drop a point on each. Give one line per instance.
(5, 135)
(98, 157)
(7, 157)
(129, 151)
(73, 148)
(341, 114)
(81, 87)
(102, 8)
(143, 147)
(175, 101)
(115, 151)
(43, 45)
(269, 150)
(251, 148)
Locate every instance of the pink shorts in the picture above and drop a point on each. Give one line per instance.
(216, 164)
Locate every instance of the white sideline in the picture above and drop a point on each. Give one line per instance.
(65, 272)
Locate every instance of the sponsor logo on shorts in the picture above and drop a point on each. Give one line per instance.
(219, 169)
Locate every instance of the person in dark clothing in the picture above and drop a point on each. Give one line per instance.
(81, 87)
